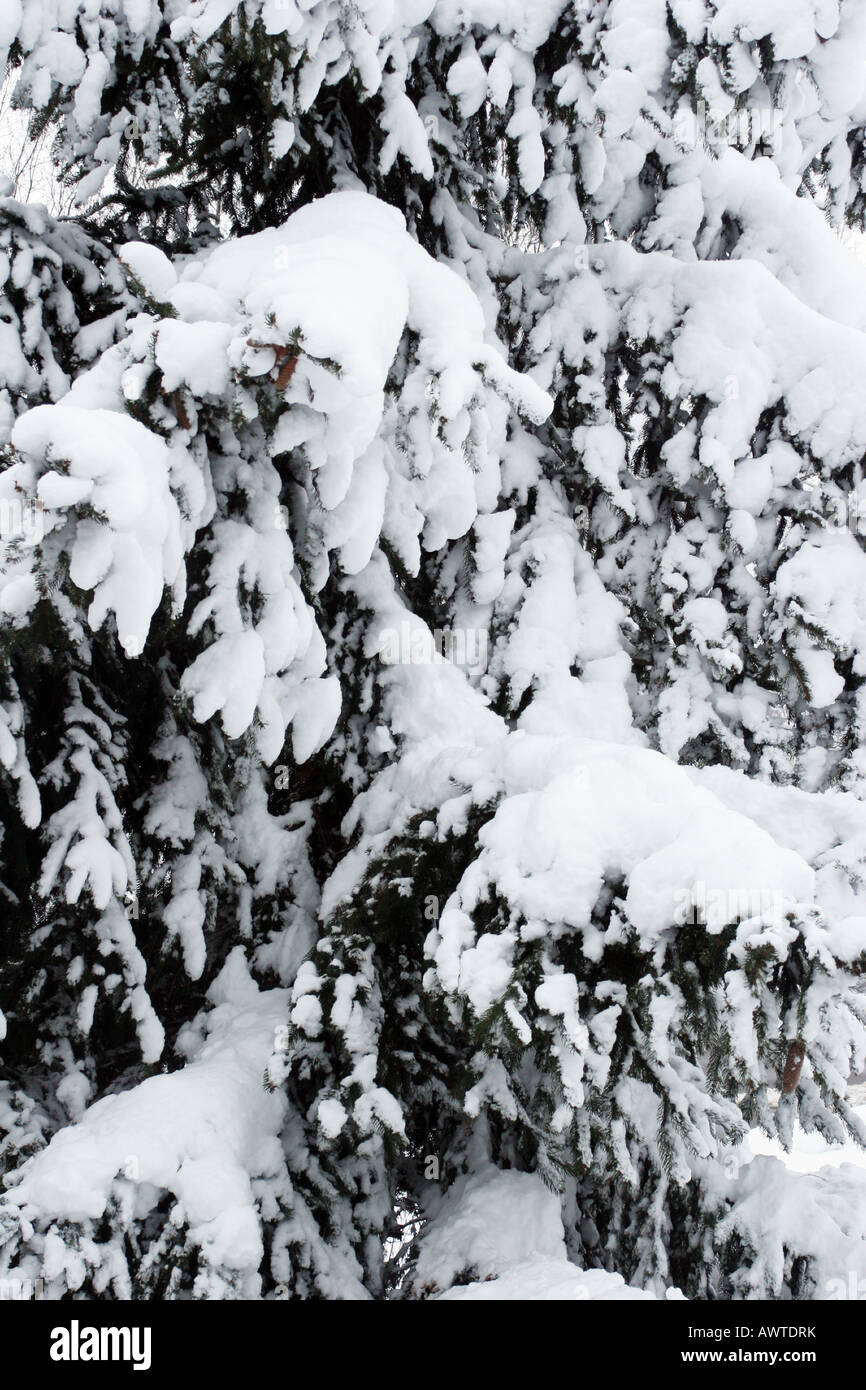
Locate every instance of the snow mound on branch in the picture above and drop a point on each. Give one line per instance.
(826, 829)
(202, 1133)
(150, 266)
(577, 818)
(133, 547)
(577, 811)
(616, 809)
(342, 279)
(307, 317)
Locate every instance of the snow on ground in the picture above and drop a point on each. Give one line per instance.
(506, 1228)
(810, 1152)
(542, 1280)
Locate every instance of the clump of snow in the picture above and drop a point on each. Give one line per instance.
(150, 266)
(133, 547)
(202, 1133)
(504, 1229)
(490, 1221)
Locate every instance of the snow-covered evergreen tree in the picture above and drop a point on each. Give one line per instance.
(433, 671)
